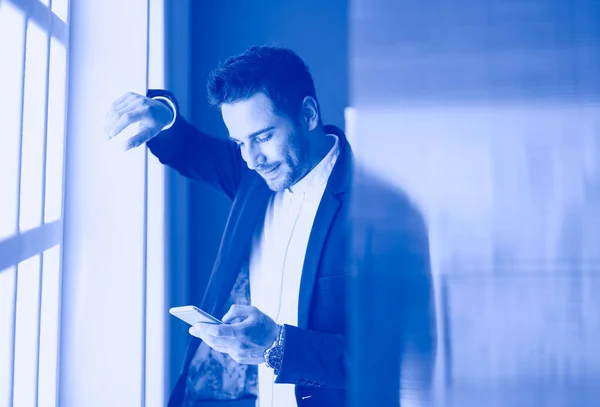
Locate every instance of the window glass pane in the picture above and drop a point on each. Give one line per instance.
(56, 131)
(49, 328)
(61, 8)
(45, 2)
(33, 127)
(26, 337)
(12, 25)
(7, 297)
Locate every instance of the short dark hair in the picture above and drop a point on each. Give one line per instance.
(275, 71)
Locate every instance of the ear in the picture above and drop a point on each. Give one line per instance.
(310, 113)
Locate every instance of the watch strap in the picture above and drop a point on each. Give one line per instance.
(274, 354)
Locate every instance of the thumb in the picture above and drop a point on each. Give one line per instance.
(140, 138)
(237, 311)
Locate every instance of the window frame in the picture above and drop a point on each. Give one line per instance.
(25, 244)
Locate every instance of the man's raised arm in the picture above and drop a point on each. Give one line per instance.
(175, 142)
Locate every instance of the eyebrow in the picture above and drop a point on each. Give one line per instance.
(255, 134)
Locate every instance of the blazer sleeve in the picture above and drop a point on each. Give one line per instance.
(314, 359)
(196, 155)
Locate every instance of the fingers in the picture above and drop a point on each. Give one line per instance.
(139, 139)
(121, 107)
(229, 339)
(131, 108)
(218, 342)
(116, 106)
(240, 352)
(124, 100)
(237, 311)
(124, 119)
(221, 330)
(223, 344)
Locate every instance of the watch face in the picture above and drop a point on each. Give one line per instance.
(274, 357)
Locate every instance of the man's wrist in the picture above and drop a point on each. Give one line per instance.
(172, 108)
(274, 354)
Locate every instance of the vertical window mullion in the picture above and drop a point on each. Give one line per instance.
(26, 331)
(145, 233)
(19, 172)
(55, 135)
(34, 125)
(42, 209)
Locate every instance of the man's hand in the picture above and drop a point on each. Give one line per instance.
(131, 108)
(244, 341)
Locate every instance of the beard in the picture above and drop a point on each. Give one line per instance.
(292, 168)
(282, 180)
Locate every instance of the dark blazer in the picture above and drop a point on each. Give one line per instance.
(316, 355)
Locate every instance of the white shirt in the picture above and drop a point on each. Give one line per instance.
(277, 259)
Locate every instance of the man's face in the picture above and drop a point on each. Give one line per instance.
(270, 142)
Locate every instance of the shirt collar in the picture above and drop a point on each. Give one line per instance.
(307, 187)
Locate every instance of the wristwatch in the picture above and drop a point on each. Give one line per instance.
(274, 354)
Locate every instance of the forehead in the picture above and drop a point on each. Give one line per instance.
(248, 116)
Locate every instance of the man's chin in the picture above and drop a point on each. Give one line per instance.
(277, 185)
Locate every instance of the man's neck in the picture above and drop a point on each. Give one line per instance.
(320, 148)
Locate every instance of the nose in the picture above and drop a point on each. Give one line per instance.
(254, 158)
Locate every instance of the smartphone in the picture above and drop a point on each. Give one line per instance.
(192, 315)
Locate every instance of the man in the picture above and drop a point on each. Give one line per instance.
(289, 178)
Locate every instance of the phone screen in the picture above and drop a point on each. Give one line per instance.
(193, 315)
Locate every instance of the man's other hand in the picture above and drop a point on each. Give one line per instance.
(131, 108)
(245, 341)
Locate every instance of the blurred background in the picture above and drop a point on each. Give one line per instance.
(485, 112)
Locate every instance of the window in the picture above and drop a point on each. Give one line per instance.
(33, 79)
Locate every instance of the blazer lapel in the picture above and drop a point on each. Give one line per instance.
(328, 209)
(334, 196)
